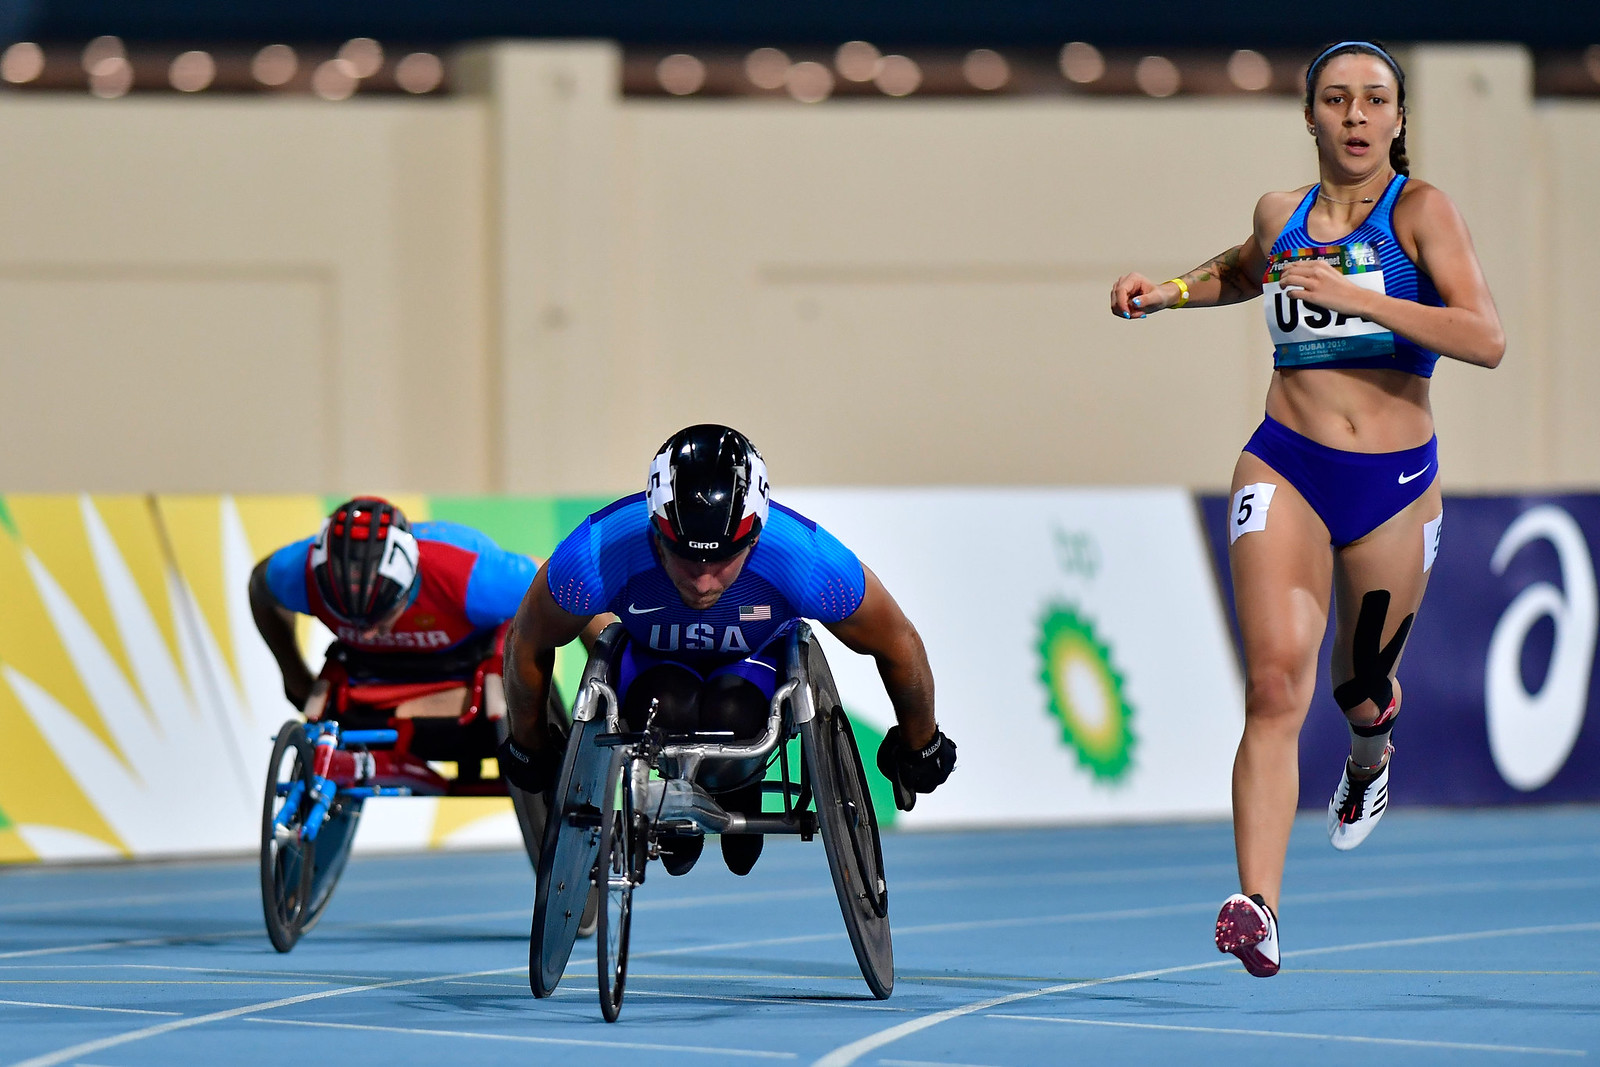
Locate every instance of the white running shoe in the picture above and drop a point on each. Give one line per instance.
(1355, 809)
(1247, 928)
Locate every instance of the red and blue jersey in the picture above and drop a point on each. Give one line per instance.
(466, 586)
(796, 570)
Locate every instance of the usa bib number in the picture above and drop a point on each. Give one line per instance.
(1305, 334)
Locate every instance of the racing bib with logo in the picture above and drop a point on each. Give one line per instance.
(1305, 334)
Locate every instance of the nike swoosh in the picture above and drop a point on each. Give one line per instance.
(644, 611)
(1404, 478)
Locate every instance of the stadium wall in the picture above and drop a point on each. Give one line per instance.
(452, 295)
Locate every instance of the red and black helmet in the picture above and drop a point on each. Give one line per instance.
(708, 493)
(364, 560)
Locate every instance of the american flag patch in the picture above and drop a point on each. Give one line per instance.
(758, 613)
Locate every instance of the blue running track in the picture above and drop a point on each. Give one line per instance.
(1447, 938)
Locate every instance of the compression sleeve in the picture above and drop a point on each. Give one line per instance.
(286, 576)
(498, 583)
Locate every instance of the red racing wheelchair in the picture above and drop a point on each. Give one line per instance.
(380, 725)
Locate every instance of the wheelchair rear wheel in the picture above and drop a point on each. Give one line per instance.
(849, 825)
(617, 871)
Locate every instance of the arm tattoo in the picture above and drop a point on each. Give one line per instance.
(1229, 273)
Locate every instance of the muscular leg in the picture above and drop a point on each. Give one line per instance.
(1281, 579)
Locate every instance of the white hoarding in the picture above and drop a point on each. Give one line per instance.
(1080, 654)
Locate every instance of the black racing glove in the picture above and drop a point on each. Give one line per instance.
(531, 772)
(910, 772)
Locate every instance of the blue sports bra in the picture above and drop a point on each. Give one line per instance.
(1306, 335)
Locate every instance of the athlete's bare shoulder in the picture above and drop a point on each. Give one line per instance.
(1424, 210)
(1420, 199)
(1273, 211)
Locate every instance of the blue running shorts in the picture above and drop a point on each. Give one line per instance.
(1353, 493)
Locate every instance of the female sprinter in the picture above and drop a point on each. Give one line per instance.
(1368, 277)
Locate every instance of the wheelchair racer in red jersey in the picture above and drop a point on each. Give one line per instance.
(707, 575)
(405, 603)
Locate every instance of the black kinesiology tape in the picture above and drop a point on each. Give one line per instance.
(1372, 660)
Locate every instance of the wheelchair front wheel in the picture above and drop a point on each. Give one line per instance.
(288, 863)
(617, 871)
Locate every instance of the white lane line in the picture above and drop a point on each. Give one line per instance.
(45, 907)
(980, 924)
(1462, 1046)
(86, 1007)
(327, 975)
(700, 1050)
(1479, 859)
(847, 1054)
(1158, 911)
(74, 1051)
(137, 942)
(1445, 939)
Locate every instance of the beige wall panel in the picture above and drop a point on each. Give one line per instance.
(928, 280)
(552, 108)
(1473, 134)
(114, 382)
(384, 200)
(1571, 298)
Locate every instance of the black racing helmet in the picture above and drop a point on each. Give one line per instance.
(708, 492)
(364, 560)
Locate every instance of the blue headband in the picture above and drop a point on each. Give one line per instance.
(1311, 71)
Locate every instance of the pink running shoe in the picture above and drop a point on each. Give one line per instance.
(1247, 928)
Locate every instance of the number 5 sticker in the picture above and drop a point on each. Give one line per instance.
(1250, 509)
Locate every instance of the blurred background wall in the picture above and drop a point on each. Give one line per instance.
(525, 284)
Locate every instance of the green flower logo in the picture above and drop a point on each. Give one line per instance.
(1086, 694)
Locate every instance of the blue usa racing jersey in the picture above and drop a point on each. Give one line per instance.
(797, 570)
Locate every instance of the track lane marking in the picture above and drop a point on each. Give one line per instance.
(360, 885)
(847, 1054)
(84, 1048)
(135, 942)
(703, 1050)
(86, 1007)
(1460, 1046)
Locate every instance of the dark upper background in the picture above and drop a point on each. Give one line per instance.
(1537, 23)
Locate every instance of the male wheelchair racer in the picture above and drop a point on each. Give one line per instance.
(619, 791)
(374, 725)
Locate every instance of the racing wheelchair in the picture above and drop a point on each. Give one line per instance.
(619, 791)
(374, 725)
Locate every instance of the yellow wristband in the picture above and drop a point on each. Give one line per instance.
(1183, 291)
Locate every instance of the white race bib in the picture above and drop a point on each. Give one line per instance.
(1305, 334)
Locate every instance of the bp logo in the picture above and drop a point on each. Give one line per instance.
(1085, 691)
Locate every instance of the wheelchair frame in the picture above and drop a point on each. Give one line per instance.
(321, 774)
(609, 811)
